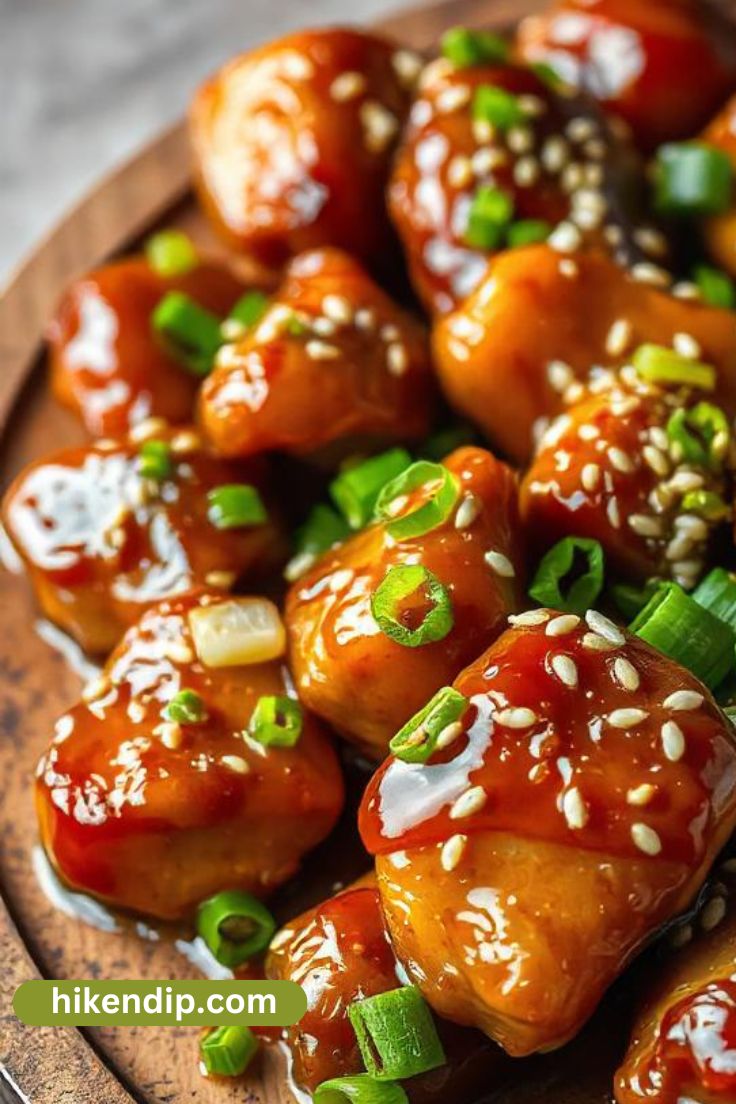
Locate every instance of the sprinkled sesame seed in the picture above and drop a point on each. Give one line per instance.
(646, 839)
(483, 131)
(574, 808)
(529, 618)
(519, 139)
(673, 741)
(338, 309)
(397, 359)
(651, 241)
(681, 700)
(321, 350)
(619, 337)
(712, 913)
(595, 643)
(177, 651)
(501, 564)
(626, 674)
(460, 172)
(365, 319)
(516, 717)
(150, 427)
(526, 172)
(96, 688)
(613, 513)
(389, 332)
(487, 159)
(555, 153)
(575, 391)
(185, 441)
(590, 477)
(580, 129)
(645, 526)
(235, 763)
(468, 803)
(453, 98)
(657, 460)
(560, 375)
(621, 461)
(566, 670)
(467, 511)
(299, 565)
(686, 345)
(646, 273)
(560, 626)
(684, 289)
(565, 238)
(693, 526)
(232, 329)
(572, 177)
(684, 481)
(170, 734)
(136, 711)
(220, 579)
(449, 734)
(407, 65)
(588, 432)
(595, 148)
(379, 126)
(531, 105)
(452, 852)
(640, 795)
(604, 627)
(626, 718)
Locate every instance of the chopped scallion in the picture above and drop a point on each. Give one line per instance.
(171, 253)
(465, 47)
(276, 721)
(396, 1034)
(361, 1088)
(235, 506)
(527, 232)
(716, 287)
(707, 504)
(692, 178)
(496, 106)
(491, 210)
(412, 606)
(235, 926)
(190, 333)
(699, 435)
(658, 364)
(717, 593)
(356, 489)
(154, 460)
(443, 490)
(630, 599)
(417, 740)
(570, 576)
(249, 308)
(186, 707)
(227, 1051)
(323, 528)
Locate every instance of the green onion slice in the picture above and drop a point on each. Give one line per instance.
(235, 506)
(630, 599)
(412, 606)
(356, 489)
(527, 232)
(707, 504)
(189, 332)
(396, 1034)
(361, 1088)
(154, 460)
(235, 926)
(228, 1051)
(277, 721)
(717, 593)
(548, 75)
(171, 253)
(497, 106)
(417, 740)
(677, 625)
(443, 490)
(715, 287)
(659, 364)
(700, 434)
(249, 308)
(323, 528)
(465, 48)
(692, 178)
(185, 708)
(491, 209)
(570, 576)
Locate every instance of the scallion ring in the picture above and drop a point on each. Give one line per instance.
(527, 232)
(497, 106)
(491, 210)
(171, 253)
(465, 47)
(706, 504)
(235, 926)
(417, 740)
(190, 333)
(277, 721)
(235, 506)
(412, 606)
(228, 1051)
(631, 599)
(396, 1034)
(323, 528)
(154, 460)
(717, 593)
(692, 178)
(356, 489)
(658, 364)
(677, 625)
(715, 287)
(186, 708)
(570, 576)
(361, 1088)
(699, 435)
(249, 308)
(443, 492)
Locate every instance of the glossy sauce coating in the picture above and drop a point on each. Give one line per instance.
(720, 230)
(664, 66)
(332, 362)
(107, 364)
(153, 816)
(292, 143)
(560, 163)
(101, 542)
(684, 1041)
(540, 322)
(348, 671)
(607, 469)
(576, 811)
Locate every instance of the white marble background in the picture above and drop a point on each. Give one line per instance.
(85, 82)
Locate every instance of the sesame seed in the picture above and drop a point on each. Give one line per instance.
(338, 309)
(397, 359)
(365, 319)
(683, 700)
(220, 579)
(529, 618)
(572, 177)
(713, 913)
(626, 674)
(646, 839)
(595, 643)
(468, 803)
(452, 852)
(693, 526)
(460, 172)
(519, 139)
(657, 461)
(560, 626)
(516, 717)
(185, 441)
(588, 432)
(487, 159)
(604, 627)
(320, 350)
(575, 391)
(170, 734)
(651, 241)
(673, 741)
(407, 65)
(453, 98)
(150, 427)
(235, 763)
(232, 329)
(526, 172)
(645, 526)
(501, 564)
(379, 126)
(620, 460)
(96, 688)
(449, 734)
(565, 238)
(626, 718)
(574, 808)
(580, 129)
(560, 375)
(566, 670)
(686, 345)
(684, 481)
(483, 131)
(555, 153)
(389, 332)
(646, 273)
(613, 513)
(684, 289)
(177, 651)
(590, 477)
(347, 86)
(619, 337)
(136, 711)
(467, 511)
(640, 795)
(299, 565)
(531, 105)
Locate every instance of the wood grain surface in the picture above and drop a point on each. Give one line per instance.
(151, 1065)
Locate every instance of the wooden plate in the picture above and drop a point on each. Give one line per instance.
(152, 1065)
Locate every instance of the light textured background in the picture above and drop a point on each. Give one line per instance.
(83, 83)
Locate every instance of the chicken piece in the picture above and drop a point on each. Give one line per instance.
(292, 143)
(663, 66)
(102, 540)
(550, 159)
(684, 1040)
(540, 322)
(340, 952)
(364, 682)
(333, 362)
(107, 364)
(614, 468)
(588, 788)
(156, 815)
(720, 230)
